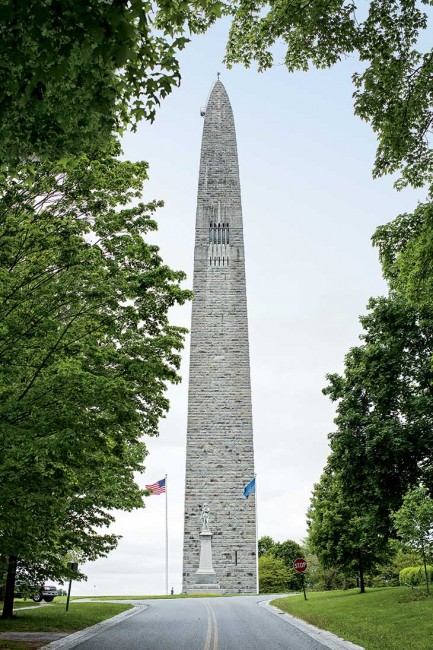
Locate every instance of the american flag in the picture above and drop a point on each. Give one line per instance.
(157, 488)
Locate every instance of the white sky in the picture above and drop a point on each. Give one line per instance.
(310, 207)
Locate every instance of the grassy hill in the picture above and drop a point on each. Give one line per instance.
(393, 618)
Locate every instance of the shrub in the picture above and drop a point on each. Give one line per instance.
(414, 575)
(273, 575)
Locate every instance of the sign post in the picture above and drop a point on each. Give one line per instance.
(300, 566)
(74, 567)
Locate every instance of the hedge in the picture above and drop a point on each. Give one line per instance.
(414, 575)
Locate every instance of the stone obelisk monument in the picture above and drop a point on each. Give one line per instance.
(220, 458)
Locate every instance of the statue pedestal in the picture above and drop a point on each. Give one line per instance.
(206, 579)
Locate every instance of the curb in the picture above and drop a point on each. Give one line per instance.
(327, 639)
(74, 639)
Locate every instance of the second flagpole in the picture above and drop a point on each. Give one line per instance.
(257, 534)
(166, 535)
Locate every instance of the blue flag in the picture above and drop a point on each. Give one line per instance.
(250, 488)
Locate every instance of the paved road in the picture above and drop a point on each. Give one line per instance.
(235, 623)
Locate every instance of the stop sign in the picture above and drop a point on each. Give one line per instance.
(300, 565)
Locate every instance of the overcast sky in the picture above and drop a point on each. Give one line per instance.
(310, 206)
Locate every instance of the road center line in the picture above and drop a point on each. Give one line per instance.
(212, 626)
(209, 629)
(215, 633)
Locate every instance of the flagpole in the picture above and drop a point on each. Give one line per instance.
(166, 536)
(257, 535)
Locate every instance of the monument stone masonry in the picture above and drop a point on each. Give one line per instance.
(220, 456)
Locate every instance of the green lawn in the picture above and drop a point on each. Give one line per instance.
(56, 619)
(391, 618)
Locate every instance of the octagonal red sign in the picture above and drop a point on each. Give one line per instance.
(300, 565)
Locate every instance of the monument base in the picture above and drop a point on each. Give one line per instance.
(206, 577)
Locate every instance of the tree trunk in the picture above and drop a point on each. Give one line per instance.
(361, 574)
(3, 571)
(8, 606)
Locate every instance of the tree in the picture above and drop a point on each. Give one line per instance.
(404, 557)
(273, 574)
(401, 557)
(286, 551)
(384, 425)
(382, 444)
(406, 251)
(342, 532)
(325, 579)
(265, 545)
(86, 351)
(74, 72)
(393, 92)
(414, 522)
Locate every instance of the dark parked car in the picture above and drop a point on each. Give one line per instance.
(44, 592)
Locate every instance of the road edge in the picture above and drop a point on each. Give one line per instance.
(75, 638)
(327, 639)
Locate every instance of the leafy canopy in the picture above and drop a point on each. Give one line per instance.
(343, 534)
(286, 551)
(393, 91)
(406, 253)
(86, 352)
(265, 545)
(383, 441)
(273, 574)
(74, 72)
(414, 521)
